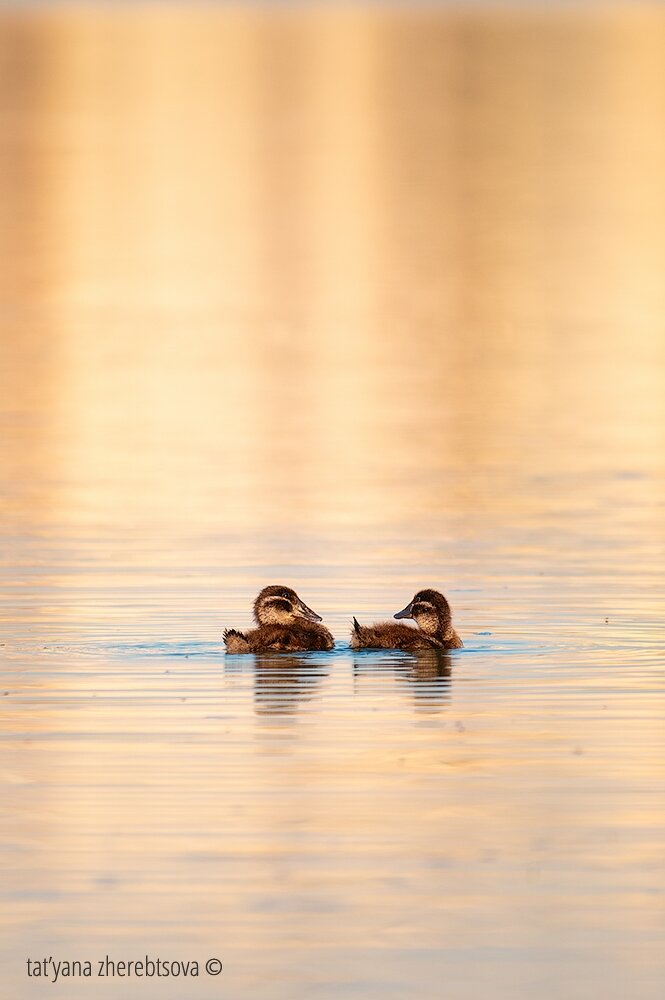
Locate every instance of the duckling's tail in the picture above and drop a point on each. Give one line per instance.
(235, 641)
(357, 636)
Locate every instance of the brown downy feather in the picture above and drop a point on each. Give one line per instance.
(391, 635)
(288, 638)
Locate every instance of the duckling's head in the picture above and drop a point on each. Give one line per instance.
(430, 611)
(278, 605)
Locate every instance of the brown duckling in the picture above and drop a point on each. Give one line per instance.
(431, 613)
(285, 625)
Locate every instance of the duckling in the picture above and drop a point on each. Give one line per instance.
(285, 625)
(431, 613)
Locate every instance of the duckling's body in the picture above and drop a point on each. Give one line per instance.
(391, 635)
(431, 612)
(284, 625)
(278, 639)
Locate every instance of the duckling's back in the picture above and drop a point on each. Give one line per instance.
(390, 635)
(279, 639)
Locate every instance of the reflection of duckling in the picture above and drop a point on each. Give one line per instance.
(282, 684)
(426, 673)
(431, 613)
(285, 625)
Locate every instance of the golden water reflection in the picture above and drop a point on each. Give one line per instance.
(360, 299)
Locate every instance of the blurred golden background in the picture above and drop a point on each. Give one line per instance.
(327, 260)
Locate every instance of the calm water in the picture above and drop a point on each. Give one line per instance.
(357, 301)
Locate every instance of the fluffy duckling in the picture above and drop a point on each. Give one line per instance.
(285, 625)
(431, 613)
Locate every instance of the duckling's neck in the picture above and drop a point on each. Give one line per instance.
(272, 616)
(438, 626)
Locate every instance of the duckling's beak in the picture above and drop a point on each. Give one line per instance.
(302, 609)
(407, 612)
